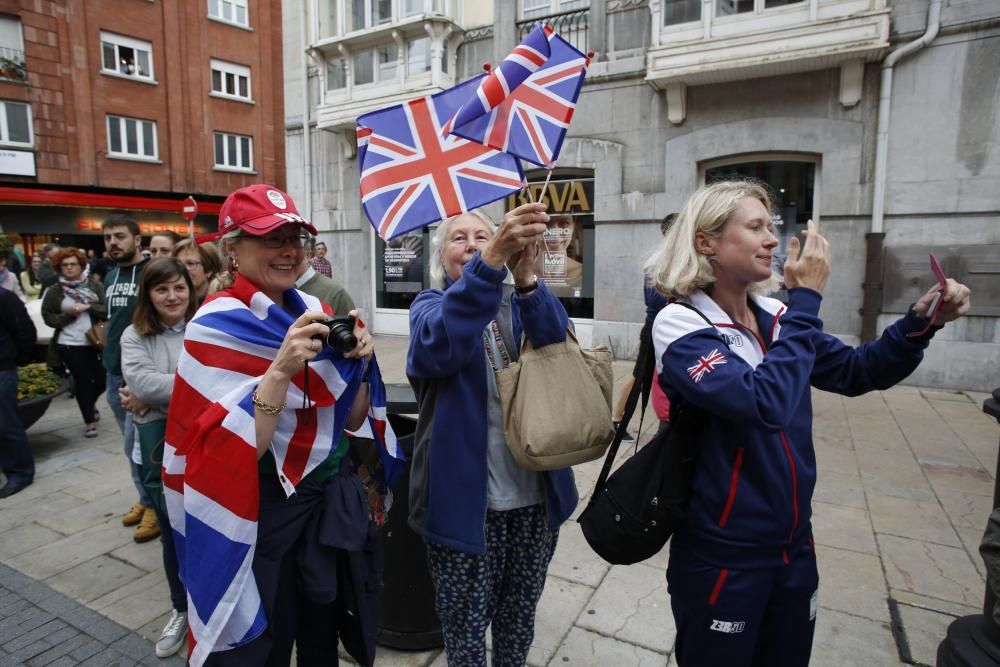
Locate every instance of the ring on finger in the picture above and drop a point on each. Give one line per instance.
(312, 344)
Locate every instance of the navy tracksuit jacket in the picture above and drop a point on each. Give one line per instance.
(742, 567)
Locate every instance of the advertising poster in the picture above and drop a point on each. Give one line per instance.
(561, 257)
(402, 270)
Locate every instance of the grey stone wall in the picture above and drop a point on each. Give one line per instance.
(943, 180)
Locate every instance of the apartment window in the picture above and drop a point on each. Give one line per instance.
(418, 55)
(375, 65)
(336, 74)
(415, 7)
(233, 152)
(538, 8)
(727, 7)
(327, 16)
(15, 124)
(124, 56)
(11, 50)
(681, 11)
(231, 11)
(230, 80)
(370, 13)
(132, 138)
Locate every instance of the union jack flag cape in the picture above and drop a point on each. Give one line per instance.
(531, 121)
(210, 454)
(412, 176)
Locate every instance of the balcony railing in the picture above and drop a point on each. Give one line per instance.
(572, 26)
(12, 67)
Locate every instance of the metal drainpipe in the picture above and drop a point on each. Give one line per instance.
(873, 240)
(306, 135)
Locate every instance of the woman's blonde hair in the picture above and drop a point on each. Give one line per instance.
(438, 242)
(677, 269)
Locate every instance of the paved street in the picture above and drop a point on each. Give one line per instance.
(905, 486)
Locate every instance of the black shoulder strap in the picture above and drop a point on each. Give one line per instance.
(645, 362)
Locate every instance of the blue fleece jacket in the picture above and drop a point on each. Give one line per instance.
(446, 366)
(754, 481)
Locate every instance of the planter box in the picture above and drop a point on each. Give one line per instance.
(30, 410)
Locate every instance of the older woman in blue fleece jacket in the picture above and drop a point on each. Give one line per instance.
(490, 525)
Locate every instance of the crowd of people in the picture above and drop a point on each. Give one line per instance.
(744, 553)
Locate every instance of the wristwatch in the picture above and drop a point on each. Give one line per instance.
(527, 289)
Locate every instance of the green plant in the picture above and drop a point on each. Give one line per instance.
(14, 69)
(35, 380)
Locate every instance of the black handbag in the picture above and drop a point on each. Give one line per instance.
(633, 512)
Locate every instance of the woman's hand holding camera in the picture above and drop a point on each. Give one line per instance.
(365, 345)
(808, 265)
(299, 345)
(519, 229)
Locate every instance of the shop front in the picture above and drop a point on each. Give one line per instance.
(564, 259)
(36, 217)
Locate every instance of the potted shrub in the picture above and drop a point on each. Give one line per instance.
(36, 387)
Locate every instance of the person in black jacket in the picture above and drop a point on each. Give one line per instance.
(17, 335)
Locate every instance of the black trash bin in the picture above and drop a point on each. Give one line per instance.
(407, 619)
(974, 641)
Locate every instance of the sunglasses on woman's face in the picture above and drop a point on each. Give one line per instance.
(67, 265)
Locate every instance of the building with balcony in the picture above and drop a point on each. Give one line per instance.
(134, 105)
(895, 156)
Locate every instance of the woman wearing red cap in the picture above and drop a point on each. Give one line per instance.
(262, 496)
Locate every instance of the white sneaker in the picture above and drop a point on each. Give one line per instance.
(173, 635)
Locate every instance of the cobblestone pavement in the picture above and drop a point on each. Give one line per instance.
(40, 626)
(905, 487)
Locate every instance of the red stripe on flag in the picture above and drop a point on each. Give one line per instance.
(300, 445)
(555, 76)
(184, 401)
(493, 90)
(529, 54)
(486, 176)
(536, 141)
(223, 467)
(390, 215)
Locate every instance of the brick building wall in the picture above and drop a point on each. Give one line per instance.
(70, 96)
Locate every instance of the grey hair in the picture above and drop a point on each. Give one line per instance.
(437, 244)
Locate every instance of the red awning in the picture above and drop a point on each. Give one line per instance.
(14, 195)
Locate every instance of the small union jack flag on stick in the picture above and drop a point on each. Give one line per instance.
(706, 365)
(412, 176)
(522, 62)
(531, 121)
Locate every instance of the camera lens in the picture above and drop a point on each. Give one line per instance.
(341, 337)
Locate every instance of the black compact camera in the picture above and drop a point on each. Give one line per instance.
(341, 336)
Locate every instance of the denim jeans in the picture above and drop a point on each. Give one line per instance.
(15, 454)
(124, 419)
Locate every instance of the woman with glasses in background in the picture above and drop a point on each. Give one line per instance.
(202, 262)
(72, 307)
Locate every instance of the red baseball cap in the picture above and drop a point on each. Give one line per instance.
(258, 209)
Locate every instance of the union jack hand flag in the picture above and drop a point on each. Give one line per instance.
(706, 365)
(532, 121)
(210, 468)
(522, 62)
(412, 176)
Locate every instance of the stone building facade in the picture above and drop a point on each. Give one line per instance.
(684, 91)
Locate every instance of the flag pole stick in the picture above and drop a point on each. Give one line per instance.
(541, 195)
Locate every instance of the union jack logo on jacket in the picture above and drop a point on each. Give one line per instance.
(210, 454)
(706, 365)
(412, 176)
(532, 120)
